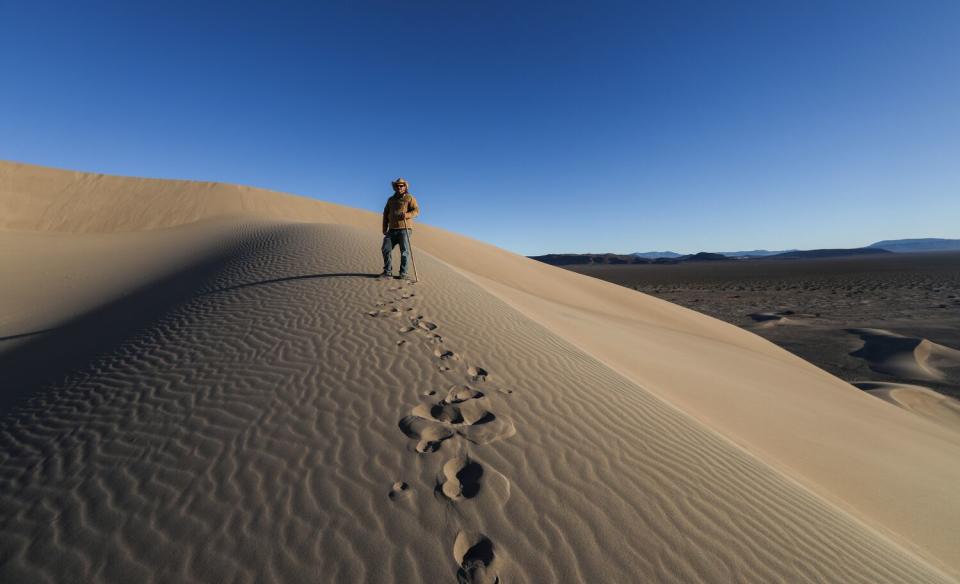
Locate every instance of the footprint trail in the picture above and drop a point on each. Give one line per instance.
(463, 415)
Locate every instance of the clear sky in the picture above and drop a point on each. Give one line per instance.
(536, 126)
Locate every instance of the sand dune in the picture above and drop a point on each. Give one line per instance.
(770, 319)
(246, 404)
(904, 356)
(919, 400)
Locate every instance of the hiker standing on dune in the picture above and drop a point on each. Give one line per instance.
(398, 216)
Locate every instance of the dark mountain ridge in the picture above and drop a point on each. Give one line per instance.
(928, 244)
(573, 259)
(917, 245)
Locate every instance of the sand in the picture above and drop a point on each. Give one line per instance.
(204, 383)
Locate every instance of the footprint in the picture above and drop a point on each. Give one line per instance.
(425, 325)
(434, 422)
(378, 313)
(463, 478)
(460, 479)
(475, 555)
(461, 393)
(401, 342)
(429, 435)
(436, 339)
(443, 354)
(399, 490)
(505, 391)
(439, 412)
(488, 429)
(465, 414)
(477, 373)
(406, 329)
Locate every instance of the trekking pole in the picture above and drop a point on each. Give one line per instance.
(413, 261)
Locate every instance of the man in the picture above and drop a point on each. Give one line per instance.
(398, 216)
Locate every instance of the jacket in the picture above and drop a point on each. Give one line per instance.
(399, 212)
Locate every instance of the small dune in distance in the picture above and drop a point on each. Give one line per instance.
(206, 382)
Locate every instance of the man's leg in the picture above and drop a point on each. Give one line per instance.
(404, 251)
(387, 249)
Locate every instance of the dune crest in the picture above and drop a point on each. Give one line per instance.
(572, 430)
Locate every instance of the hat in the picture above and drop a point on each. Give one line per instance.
(400, 181)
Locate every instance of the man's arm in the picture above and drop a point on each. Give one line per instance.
(413, 209)
(386, 220)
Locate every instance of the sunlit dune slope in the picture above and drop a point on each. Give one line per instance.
(262, 395)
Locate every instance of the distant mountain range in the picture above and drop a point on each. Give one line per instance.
(755, 253)
(918, 245)
(580, 259)
(652, 255)
(829, 253)
(670, 257)
(894, 245)
(575, 259)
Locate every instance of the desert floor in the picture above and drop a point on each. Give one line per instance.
(817, 309)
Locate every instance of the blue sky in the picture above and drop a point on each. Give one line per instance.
(536, 126)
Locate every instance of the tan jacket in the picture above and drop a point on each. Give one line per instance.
(399, 212)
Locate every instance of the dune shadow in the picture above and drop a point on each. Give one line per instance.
(29, 334)
(292, 279)
(51, 356)
(226, 289)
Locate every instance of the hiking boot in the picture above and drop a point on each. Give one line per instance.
(385, 275)
(403, 277)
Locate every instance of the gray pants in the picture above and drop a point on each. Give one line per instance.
(393, 238)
